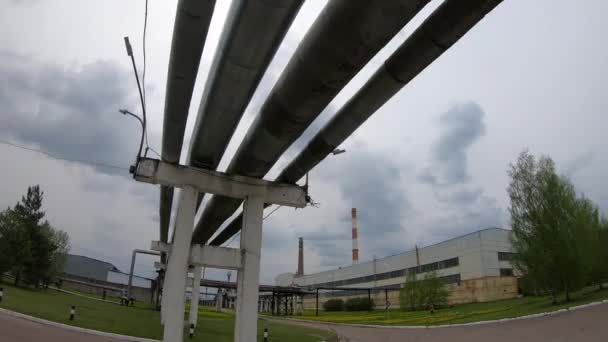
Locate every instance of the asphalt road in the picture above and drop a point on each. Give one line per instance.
(13, 329)
(587, 324)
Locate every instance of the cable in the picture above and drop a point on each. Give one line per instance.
(239, 233)
(141, 96)
(272, 212)
(81, 161)
(153, 150)
(233, 238)
(143, 76)
(142, 89)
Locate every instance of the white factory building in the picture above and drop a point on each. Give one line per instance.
(475, 266)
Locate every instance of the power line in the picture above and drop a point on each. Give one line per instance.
(265, 217)
(272, 212)
(143, 76)
(48, 154)
(233, 238)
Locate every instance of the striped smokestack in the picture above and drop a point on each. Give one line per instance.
(300, 271)
(355, 233)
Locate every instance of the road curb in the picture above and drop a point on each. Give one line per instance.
(405, 327)
(76, 329)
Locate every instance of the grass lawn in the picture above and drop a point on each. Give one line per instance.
(460, 313)
(136, 321)
(110, 299)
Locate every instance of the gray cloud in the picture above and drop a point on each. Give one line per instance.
(460, 196)
(371, 182)
(550, 99)
(460, 127)
(69, 112)
(579, 163)
(461, 206)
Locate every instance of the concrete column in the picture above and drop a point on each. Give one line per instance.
(196, 290)
(131, 274)
(218, 300)
(177, 268)
(248, 277)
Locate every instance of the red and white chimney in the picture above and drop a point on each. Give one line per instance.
(355, 240)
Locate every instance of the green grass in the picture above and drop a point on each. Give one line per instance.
(463, 313)
(136, 321)
(110, 299)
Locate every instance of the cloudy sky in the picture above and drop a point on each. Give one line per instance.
(429, 165)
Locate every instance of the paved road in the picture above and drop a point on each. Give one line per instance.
(14, 329)
(588, 324)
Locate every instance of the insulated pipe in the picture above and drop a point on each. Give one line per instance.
(252, 34)
(448, 23)
(192, 20)
(344, 37)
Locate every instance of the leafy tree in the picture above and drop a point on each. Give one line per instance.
(428, 292)
(28, 248)
(433, 291)
(410, 294)
(60, 242)
(590, 247)
(15, 245)
(544, 222)
(603, 255)
(29, 209)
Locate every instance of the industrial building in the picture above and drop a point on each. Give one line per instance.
(476, 267)
(96, 276)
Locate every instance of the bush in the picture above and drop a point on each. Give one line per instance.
(334, 305)
(359, 304)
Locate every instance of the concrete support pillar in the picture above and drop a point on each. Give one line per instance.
(248, 277)
(177, 268)
(218, 300)
(196, 290)
(131, 274)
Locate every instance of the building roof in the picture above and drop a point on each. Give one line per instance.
(86, 267)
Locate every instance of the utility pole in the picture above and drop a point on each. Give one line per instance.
(374, 270)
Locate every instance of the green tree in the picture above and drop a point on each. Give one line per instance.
(428, 292)
(546, 236)
(588, 223)
(409, 296)
(29, 209)
(433, 291)
(30, 249)
(15, 245)
(60, 246)
(603, 256)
